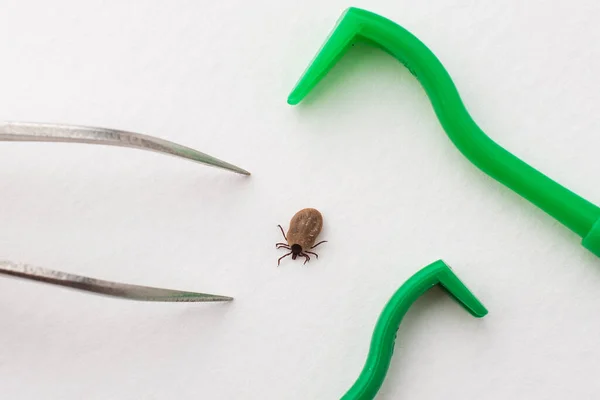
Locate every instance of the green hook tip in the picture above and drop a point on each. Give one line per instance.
(457, 289)
(383, 340)
(333, 49)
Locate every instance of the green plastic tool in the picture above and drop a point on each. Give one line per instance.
(576, 213)
(384, 336)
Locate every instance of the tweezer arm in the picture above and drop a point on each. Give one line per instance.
(107, 288)
(35, 132)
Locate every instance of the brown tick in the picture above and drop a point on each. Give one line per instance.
(305, 226)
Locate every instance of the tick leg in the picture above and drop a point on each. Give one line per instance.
(314, 254)
(306, 256)
(324, 241)
(282, 245)
(280, 258)
(282, 232)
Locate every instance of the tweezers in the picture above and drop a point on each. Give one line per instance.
(35, 132)
(106, 288)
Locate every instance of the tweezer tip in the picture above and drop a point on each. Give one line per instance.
(223, 298)
(230, 167)
(194, 297)
(239, 171)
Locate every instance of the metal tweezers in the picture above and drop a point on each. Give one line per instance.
(35, 132)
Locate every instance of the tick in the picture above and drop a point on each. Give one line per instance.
(305, 226)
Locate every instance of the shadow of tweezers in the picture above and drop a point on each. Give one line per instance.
(35, 132)
(576, 213)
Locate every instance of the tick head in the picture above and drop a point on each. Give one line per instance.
(296, 249)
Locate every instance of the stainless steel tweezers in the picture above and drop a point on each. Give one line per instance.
(107, 288)
(31, 132)
(34, 132)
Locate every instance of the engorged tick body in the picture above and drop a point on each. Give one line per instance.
(305, 226)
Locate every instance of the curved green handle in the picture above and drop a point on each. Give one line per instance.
(382, 343)
(579, 215)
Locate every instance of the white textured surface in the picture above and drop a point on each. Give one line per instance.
(365, 149)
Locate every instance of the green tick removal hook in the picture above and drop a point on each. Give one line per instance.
(382, 343)
(576, 213)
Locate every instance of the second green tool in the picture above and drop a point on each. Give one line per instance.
(384, 335)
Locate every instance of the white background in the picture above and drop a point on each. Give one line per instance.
(365, 148)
